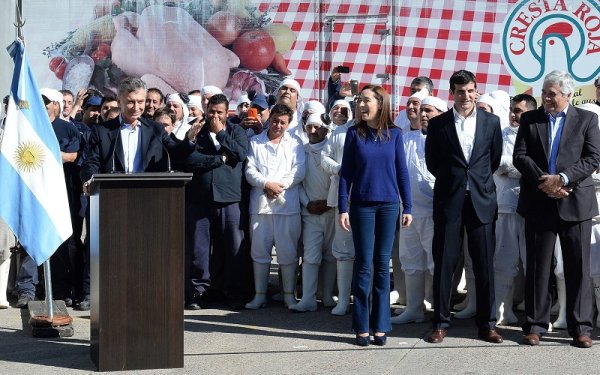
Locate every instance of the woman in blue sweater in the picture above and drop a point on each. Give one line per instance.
(374, 178)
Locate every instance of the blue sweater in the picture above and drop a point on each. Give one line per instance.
(374, 170)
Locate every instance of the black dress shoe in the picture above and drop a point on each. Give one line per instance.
(380, 340)
(363, 340)
(83, 305)
(195, 302)
(24, 300)
(235, 304)
(582, 341)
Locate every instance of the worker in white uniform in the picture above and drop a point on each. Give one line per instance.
(318, 219)
(343, 245)
(275, 169)
(416, 240)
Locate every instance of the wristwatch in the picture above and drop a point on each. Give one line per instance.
(563, 179)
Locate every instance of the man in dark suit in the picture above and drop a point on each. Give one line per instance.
(556, 150)
(128, 143)
(462, 151)
(597, 85)
(212, 207)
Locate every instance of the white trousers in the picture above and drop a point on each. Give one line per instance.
(281, 231)
(343, 244)
(317, 235)
(595, 251)
(510, 244)
(415, 246)
(558, 270)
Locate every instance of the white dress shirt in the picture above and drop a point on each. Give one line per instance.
(132, 153)
(465, 129)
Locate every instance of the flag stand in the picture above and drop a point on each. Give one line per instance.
(49, 318)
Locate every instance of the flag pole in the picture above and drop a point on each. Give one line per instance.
(47, 274)
(48, 288)
(20, 22)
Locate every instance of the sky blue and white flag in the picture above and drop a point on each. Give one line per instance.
(33, 197)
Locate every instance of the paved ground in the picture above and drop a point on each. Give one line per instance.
(276, 341)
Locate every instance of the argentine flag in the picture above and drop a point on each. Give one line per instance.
(33, 197)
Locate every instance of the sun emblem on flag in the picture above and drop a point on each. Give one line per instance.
(29, 156)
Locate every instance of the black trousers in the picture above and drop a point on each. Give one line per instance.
(447, 249)
(575, 240)
(219, 227)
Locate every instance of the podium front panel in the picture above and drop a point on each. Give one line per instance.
(137, 252)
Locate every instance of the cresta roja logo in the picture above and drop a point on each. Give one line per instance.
(544, 35)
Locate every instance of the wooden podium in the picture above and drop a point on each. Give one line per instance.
(136, 269)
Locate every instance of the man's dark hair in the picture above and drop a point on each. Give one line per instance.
(462, 77)
(184, 97)
(422, 80)
(166, 111)
(67, 92)
(108, 98)
(157, 91)
(218, 99)
(281, 110)
(195, 92)
(529, 100)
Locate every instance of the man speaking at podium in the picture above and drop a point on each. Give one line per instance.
(128, 143)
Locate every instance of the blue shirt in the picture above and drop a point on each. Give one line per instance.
(374, 170)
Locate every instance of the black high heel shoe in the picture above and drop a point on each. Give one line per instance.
(380, 340)
(363, 340)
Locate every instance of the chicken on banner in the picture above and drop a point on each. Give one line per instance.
(34, 196)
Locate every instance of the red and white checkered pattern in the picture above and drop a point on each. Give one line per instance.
(432, 38)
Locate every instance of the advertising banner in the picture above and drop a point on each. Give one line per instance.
(241, 45)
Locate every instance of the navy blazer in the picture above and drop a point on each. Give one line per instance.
(446, 161)
(214, 180)
(578, 157)
(105, 151)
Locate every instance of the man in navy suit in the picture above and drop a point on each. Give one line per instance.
(557, 149)
(462, 151)
(128, 143)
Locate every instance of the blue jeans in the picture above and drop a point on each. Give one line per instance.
(373, 229)
(27, 277)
